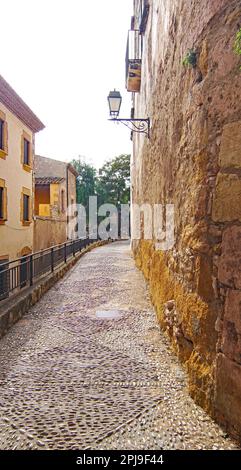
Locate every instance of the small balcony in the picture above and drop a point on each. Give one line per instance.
(133, 61)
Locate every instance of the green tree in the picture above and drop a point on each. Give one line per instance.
(86, 181)
(113, 183)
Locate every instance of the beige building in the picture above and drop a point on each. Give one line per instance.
(18, 125)
(55, 191)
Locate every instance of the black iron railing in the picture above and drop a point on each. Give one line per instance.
(23, 272)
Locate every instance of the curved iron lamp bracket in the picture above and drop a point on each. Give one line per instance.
(141, 126)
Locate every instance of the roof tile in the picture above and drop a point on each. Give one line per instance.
(16, 105)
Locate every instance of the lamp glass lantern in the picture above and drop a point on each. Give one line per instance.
(114, 100)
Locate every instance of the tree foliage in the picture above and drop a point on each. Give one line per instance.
(86, 181)
(113, 184)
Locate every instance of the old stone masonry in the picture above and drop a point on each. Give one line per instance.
(89, 368)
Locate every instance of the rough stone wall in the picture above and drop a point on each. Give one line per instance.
(193, 159)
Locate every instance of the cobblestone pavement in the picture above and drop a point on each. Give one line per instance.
(89, 368)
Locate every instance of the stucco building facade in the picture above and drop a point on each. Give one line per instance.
(193, 160)
(18, 125)
(55, 192)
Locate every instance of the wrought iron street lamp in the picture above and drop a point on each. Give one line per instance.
(114, 100)
(141, 126)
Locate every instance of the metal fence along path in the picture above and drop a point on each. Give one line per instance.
(22, 272)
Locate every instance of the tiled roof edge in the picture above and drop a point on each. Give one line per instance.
(17, 106)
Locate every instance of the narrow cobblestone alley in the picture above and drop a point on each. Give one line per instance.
(89, 368)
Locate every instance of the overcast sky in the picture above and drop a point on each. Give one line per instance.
(62, 58)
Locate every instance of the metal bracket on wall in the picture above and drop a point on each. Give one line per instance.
(141, 126)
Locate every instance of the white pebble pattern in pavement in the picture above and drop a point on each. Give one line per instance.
(88, 368)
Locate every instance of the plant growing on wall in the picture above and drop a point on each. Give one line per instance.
(190, 58)
(237, 44)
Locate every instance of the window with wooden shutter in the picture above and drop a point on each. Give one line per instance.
(26, 207)
(3, 202)
(26, 152)
(3, 135)
(26, 160)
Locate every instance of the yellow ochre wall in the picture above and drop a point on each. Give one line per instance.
(15, 239)
(50, 226)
